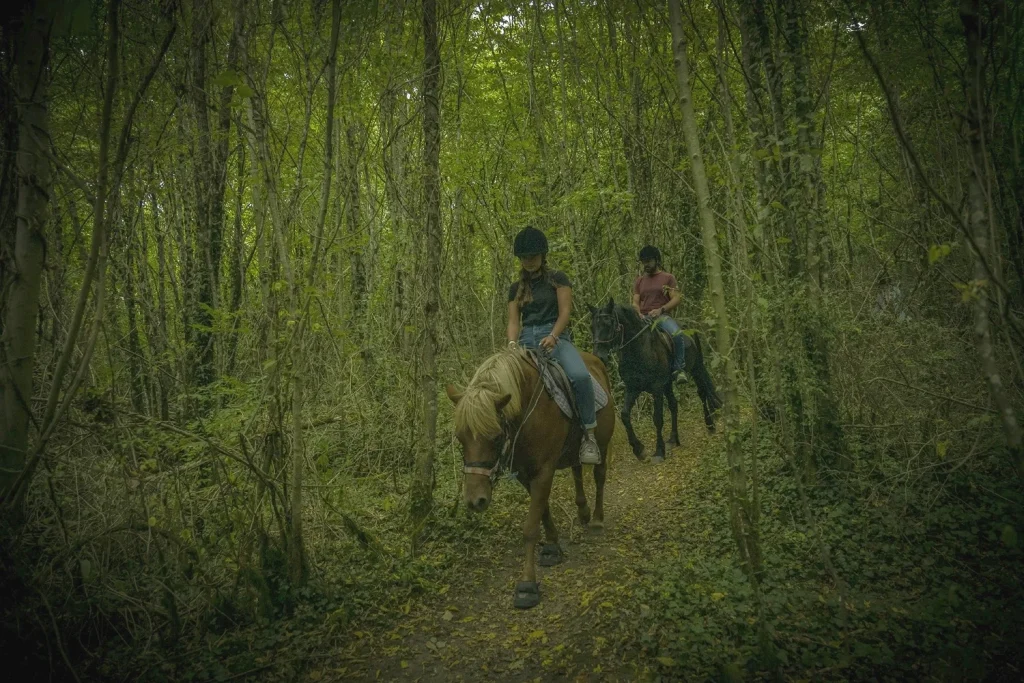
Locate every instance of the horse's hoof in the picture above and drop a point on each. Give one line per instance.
(527, 595)
(550, 555)
(672, 443)
(658, 459)
(642, 455)
(597, 526)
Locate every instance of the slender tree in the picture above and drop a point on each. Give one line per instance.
(423, 478)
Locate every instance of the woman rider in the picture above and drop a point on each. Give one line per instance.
(539, 304)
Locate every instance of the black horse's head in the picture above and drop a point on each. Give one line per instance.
(606, 330)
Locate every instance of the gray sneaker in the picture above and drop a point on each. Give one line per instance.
(590, 454)
(679, 377)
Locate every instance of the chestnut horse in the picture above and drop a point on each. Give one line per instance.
(504, 419)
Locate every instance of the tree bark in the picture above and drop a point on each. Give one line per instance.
(423, 482)
(18, 334)
(740, 506)
(980, 224)
(202, 279)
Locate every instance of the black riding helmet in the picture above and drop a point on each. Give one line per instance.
(530, 241)
(650, 253)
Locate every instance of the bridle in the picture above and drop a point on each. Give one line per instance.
(503, 445)
(621, 332)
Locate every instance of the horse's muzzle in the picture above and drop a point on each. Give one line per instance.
(478, 503)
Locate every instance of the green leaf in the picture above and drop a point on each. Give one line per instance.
(1009, 536)
(226, 78)
(666, 661)
(938, 252)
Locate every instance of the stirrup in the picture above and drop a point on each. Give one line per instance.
(590, 453)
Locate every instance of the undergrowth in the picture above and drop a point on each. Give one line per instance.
(926, 582)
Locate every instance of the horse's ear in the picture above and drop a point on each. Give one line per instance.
(500, 404)
(592, 310)
(610, 306)
(453, 394)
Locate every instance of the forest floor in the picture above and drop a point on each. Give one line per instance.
(584, 627)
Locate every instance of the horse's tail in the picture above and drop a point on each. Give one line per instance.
(705, 386)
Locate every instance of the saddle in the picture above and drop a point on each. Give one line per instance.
(559, 388)
(665, 339)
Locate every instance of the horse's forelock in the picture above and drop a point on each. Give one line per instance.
(499, 375)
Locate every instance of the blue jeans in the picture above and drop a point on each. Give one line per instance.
(668, 324)
(566, 355)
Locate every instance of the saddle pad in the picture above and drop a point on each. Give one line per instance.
(559, 388)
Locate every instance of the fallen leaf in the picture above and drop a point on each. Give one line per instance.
(666, 661)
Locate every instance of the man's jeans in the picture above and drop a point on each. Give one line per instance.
(668, 324)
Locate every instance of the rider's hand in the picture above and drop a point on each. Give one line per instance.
(655, 313)
(548, 343)
(513, 345)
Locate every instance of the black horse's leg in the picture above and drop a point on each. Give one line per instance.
(659, 421)
(627, 422)
(599, 476)
(709, 417)
(582, 509)
(673, 407)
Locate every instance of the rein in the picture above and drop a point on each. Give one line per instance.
(506, 449)
(622, 344)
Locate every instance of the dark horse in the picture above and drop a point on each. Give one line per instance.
(504, 417)
(645, 362)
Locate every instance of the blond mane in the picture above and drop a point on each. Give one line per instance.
(497, 376)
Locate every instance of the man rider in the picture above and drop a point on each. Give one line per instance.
(655, 293)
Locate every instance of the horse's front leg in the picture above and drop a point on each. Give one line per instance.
(627, 422)
(673, 407)
(582, 509)
(659, 421)
(527, 592)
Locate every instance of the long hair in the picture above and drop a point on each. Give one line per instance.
(524, 294)
(497, 376)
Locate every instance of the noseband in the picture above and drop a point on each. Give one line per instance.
(502, 446)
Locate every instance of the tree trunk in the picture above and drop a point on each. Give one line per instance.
(423, 481)
(980, 223)
(740, 506)
(202, 278)
(18, 334)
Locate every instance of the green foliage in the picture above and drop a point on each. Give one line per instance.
(909, 609)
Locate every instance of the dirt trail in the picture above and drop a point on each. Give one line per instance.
(472, 633)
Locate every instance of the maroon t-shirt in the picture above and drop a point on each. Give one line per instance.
(651, 290)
